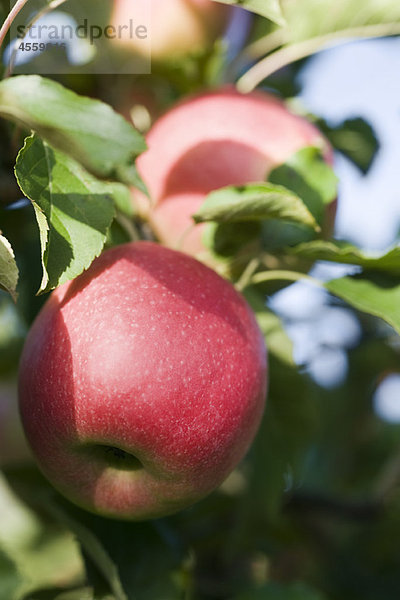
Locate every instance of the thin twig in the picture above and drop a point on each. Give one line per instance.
(266, 44)
(19, 5)
(128, 226)
(248, 273)
(47, 9)
(293, 52)
(283, 276)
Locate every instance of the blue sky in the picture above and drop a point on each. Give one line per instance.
(363, 79)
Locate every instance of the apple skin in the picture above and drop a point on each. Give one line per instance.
(178, 27)
(210, 141)
(142, 383)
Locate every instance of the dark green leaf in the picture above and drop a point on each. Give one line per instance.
(150, 557)
(254, 202)
(376, 294)
(270, 9)
(10, 579)
(8, 268)
(308, 175)
(93, 548)
(88, 130)
(225, 240)
(355, 138)
(73, 209)
(343, 252)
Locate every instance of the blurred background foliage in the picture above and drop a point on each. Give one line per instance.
(313, 512)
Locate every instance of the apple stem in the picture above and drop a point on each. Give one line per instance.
(283, 276)
(293, 52)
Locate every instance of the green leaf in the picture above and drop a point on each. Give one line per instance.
(150, 556)
(278, 342)
(10, 578)
(88, 130)
(285, 434)
(8, 268)
(93, 548)
(376, 294)
(44, 554)
(274, 591)
(270, 9)
(73, 209)
(254, 202)
(355, 138)
(310, 18)
(225, 240)
(82, 593)
(343, 252)
(308, 175)
(310, 26)
(129, 175)
(122, 198)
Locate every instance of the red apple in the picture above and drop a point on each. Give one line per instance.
(178, 27)
(209, 141)
(142, 382)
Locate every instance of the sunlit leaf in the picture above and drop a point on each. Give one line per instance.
(74, 210)
(312, 18)
(86, 129)
(343, 252)
(376, 294)
(8, 268)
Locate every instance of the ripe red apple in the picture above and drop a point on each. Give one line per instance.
(142, 382)
(178, 27)
(209, 141)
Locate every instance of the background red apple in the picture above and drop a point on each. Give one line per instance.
(178, 27)
(142, 382)
(209, 141)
